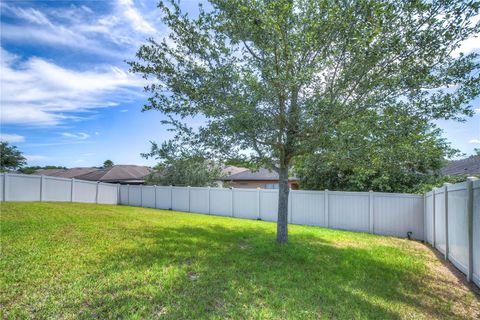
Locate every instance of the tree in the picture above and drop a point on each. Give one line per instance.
(389, 152)
(275, 77)
(108, 163)
(10, 157)
(181, 167)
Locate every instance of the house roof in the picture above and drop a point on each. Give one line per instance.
(261, 174)
(468, 166)
(126, 173)
(229, 170)
(65, 173)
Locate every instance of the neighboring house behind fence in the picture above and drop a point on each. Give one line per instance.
(261, 178)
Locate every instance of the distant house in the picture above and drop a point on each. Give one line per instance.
(262, 178)
(123, 174)
(463, 167)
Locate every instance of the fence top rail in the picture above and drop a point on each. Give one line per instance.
(457, 186)
(37, 176)
(403, 195)
(56, 178)
(476, 184)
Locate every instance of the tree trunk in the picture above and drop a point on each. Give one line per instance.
(282, 221)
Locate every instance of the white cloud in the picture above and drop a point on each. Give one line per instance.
(78, 136)
(124, 110)
(31, 157)
(38, 92)
(11, 138)
(474, 141)
(133, 15)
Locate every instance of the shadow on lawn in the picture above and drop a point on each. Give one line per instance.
(204, 272)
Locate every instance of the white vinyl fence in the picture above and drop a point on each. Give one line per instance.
(448, 217)
(374, 212)
(24, 187)
(452, 225)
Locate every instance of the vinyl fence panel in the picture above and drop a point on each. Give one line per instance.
(308, 208)
(123, 194)
(180, 199)
(429, 217)
(397, 214)
(107, 193)
(135, 196)
(349, 210)
(221, 202)
(56, 189)
(440, 220)
(268, 205)
(164, 197)
(245, 203)
(458, 225)
(200, 200)
(22, 187)
(85, 191)
(148, 196)
(2, 190)
(476, 232)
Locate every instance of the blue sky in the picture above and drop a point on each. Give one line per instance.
(67, 97)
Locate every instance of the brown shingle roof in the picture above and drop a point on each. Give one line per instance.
(124, 173)
(468, 166)
(65, 173)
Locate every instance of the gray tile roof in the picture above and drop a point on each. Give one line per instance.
(261, 174)
(468, 166)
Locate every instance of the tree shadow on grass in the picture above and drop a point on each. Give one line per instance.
(217, 272)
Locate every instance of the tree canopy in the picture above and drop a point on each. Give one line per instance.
(108, 163)
(275, 77)
(10, 157)
(388, 152)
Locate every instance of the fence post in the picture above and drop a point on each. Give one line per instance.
(171, 197)
(5, 186)
(445, 204)
(141, 196)
(289, 211)
(231, 202)
(209, 199)
(72, 190)
(189, 200)
(433, 217)
(118, 193)
(42, 187)
(325, 208)
(470, 226)
(425, 240)
(155, 193)
(258, 205)
(371, 211)
(96, 192)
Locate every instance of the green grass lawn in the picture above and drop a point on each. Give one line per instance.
(64, 260)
